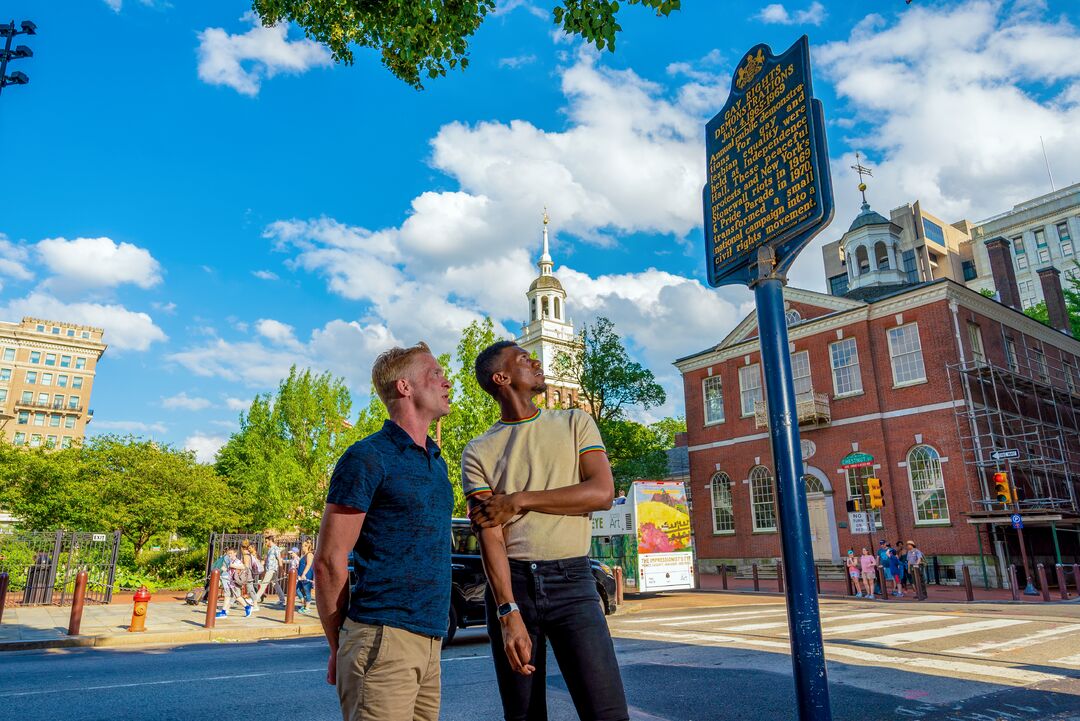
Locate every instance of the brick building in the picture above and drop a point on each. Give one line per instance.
(915, 386)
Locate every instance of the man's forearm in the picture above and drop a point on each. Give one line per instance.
(496, 563)
(333, 596)
(580, 498)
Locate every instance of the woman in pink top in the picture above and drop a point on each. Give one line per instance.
(867, 563)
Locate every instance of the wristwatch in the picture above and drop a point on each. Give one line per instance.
(507, 608)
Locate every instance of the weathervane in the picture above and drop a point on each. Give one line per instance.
(861, 170)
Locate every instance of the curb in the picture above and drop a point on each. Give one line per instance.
(166, 638)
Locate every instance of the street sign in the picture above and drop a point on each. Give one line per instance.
(1005, 454)
(768, 193)
(768, 166)
(98, 537)
(859, 522)
(1017, 521)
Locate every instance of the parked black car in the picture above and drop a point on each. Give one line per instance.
(469, 582)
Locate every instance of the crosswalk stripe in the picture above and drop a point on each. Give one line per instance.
(1020, 642)
(783, 624)
(1068, 660)
(874, 625)
(917, 663)
(898, 639)
(704, 617)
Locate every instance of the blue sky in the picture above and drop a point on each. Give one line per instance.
(225, 201)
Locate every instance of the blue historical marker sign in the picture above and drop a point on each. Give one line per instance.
(768, 166)
(1017, 521)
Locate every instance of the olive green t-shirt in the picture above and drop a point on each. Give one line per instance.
(535, 454)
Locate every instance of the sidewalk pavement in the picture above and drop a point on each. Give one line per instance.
(934, 593)
(169, 621)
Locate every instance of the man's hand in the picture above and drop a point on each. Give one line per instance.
(331, 668)
(495, 511)
(517, 643)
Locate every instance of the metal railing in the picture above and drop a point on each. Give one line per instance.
(810, 407)
(43, 565)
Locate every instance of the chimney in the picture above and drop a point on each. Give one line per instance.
(1050, 277)
(1001, 265)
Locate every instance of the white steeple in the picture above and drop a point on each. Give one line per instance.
(546, 265)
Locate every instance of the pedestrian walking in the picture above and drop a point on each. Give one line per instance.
(390, 503)
(867, 565)
(915, 564)
(852, 564)
(894, 573)
(271, 570)
(305, 575)
(227, 564)
(253, 567)
(531, 481)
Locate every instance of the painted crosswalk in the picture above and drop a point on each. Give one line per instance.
(936, 642)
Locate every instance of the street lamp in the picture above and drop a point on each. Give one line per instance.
(21, 51)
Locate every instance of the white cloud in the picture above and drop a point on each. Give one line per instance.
(129, 426)
(97, 263)
(777, 14)
(205, 446)
(168, 308)
(508, 6)
(517, 61)
(185, 402)
(276, 332)
(124, 329)
(950, 102)
(13, 260)
(265, 274)
(242, 61)
(115, 4)
(238, 404)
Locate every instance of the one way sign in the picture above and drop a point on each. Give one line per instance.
(1005, 454)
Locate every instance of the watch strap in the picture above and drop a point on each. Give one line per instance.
(507, 608)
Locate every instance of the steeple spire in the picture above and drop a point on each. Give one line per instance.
(862, 170)
(546, 264)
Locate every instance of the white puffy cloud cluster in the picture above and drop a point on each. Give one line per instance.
(776, 13)
(124, 329)
(90, 263)
(242, 61)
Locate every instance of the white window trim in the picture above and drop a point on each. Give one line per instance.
(893, 355)
(858, 364)
(705, 403)
(760, 386)
(947, 521)
(712, 501)
(771, 481)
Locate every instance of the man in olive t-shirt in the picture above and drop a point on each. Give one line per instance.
(531, 481)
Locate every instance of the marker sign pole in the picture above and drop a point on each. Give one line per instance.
(768, 194)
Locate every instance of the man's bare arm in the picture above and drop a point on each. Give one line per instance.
(595, 492)
(337, 535)
(516, 639)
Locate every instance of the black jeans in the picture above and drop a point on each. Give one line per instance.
(559, 604)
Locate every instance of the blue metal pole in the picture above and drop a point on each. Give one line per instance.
(804, 623)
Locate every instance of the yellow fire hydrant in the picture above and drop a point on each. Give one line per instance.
(138, 614)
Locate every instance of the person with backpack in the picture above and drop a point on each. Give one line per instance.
(230, 592)
(244, 577)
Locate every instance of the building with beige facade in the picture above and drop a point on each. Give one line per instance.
(47, 371)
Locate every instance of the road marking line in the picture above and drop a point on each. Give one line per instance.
(765, 626)
(999, 646)
(1068, 660)
(916, 663)
(931, 634)
(166, 682)
(703, 617)
(857, 627)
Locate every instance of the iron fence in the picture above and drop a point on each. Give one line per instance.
(42, 565)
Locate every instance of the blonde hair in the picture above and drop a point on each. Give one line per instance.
(391, 366)
(305, 547)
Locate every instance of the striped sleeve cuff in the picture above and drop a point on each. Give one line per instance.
(591, 449)
(476, 491)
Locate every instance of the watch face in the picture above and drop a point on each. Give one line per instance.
(505, 609)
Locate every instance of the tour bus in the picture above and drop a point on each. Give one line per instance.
(647, 534)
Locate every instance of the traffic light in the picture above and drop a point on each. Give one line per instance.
(1002, 491)
(853, 505)
(873, 492)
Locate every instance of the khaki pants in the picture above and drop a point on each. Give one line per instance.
(387, 674)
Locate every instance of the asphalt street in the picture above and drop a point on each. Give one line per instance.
(731, 662)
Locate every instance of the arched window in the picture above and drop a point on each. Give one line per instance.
(762, 499)
(881, 255)
(558, 310)
(557, 399)
(813, 484)
(927, 485)
(792, 316)
(862, 259)
(533, 304)
(723, 511)
(545, 309)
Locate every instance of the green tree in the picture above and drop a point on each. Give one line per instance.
(637, 451)
(610, 382)
(280, 460)
(424, 38)
(472, 410)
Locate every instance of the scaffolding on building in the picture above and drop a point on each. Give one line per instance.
(1029, 409)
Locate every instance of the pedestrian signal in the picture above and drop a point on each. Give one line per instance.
(873, 492)
(1002, 491)
(853, 506)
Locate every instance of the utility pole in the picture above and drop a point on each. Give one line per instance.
(8, 32)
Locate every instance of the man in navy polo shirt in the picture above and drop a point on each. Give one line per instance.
(390, 502)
